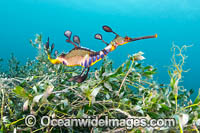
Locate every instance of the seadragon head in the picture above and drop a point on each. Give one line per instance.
(119, 40)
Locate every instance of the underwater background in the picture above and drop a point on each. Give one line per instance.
(175, 21)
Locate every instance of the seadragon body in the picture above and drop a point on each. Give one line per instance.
(80, 56)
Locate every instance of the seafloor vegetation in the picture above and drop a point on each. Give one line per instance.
(129, 91)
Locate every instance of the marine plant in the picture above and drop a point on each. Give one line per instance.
(128, 91)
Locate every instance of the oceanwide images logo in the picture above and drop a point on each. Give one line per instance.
(129, 123)
(30, 120)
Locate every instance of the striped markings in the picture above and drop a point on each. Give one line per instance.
(93, 58)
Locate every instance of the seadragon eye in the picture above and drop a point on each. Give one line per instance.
(127, 39)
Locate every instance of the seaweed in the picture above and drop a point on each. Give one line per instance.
(128, 91)
(1, 70)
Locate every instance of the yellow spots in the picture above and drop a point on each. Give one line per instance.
(156, 35)
(112, 48)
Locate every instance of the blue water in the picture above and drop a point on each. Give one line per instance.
(175, 21)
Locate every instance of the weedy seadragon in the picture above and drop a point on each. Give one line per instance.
(80, 56)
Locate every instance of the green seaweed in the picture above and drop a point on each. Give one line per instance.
(129, 91)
